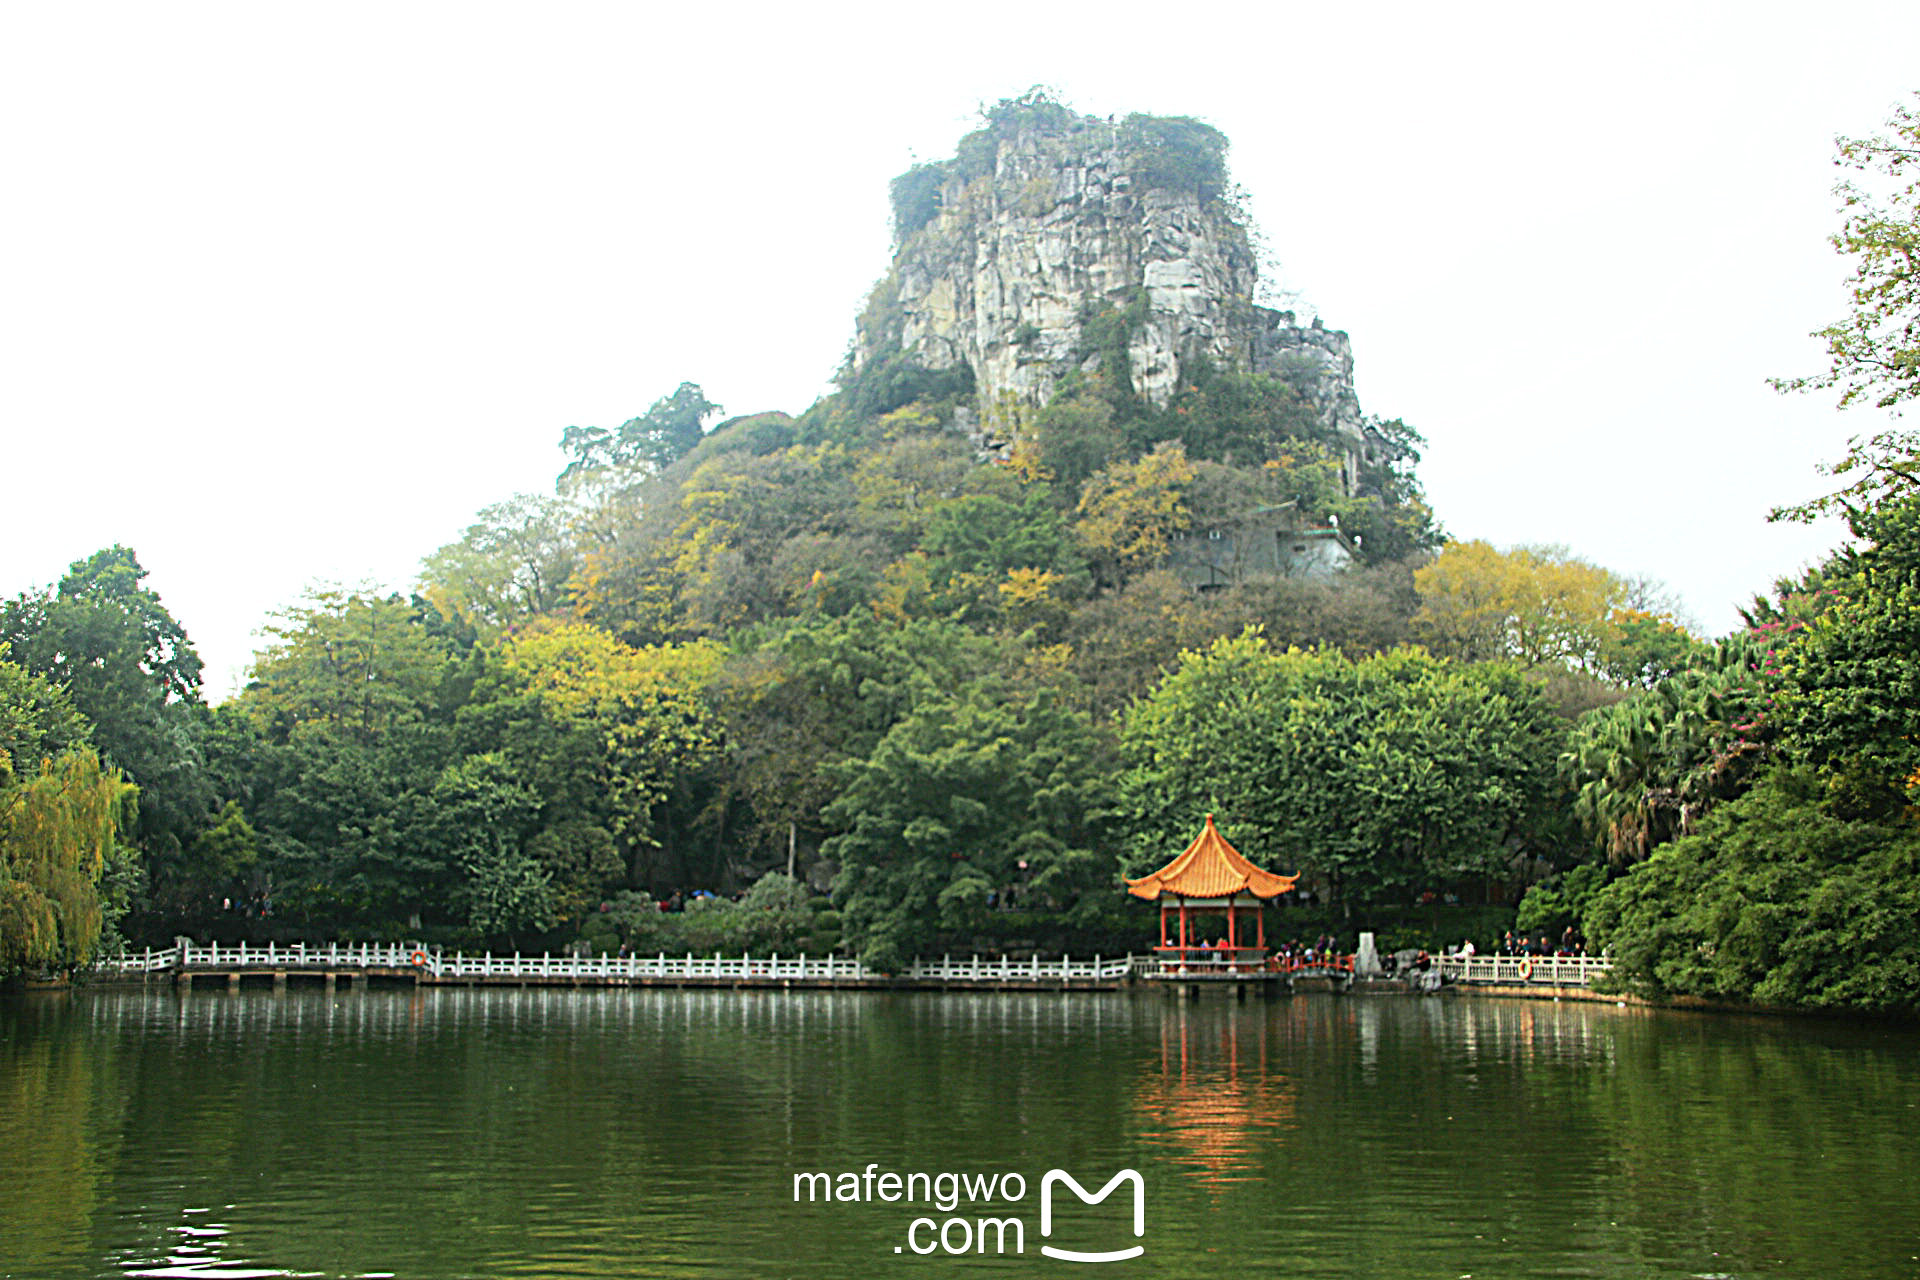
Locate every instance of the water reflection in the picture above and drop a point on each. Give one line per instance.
(558, 1133)
(196, 1250)
(1216, 1105)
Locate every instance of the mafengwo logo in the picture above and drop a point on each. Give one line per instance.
(1054, 1177)
(960, 1234)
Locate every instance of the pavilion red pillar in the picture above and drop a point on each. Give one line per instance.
(1183, 925)
(1163, 925)
(1233, 935)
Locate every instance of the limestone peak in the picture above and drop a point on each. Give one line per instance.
(1053, 241)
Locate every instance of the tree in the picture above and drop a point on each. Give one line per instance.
(125, 662)
(59, 831)
(989, 534)
(361, 663)
(657, 438)
(1386, 514)
(736, 510)
(648, 705)
(1647, 769)
(1885, 467)
(820, 692)
(339, 738)
(1124, 642)
(1243, 419)
(37, 717)
(965, 798)
(1851, 702)
(348, 829)
(626, 582)
(130, 670)
(1000, 550)
(1874, 353)
(102, 618)
(1375, 777)
(1640, 648)
(61, 814)
(1802, 891)
(1536, 605)
(487, 814)
(562, 760)
(1130, 511)
(901, 482)
(511, 565)
(225, 854)
(1776, 900)
(1070, 437)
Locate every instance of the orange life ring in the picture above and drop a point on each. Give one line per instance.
(1526, 969)
(420, 959)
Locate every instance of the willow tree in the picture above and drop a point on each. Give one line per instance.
(59, 827)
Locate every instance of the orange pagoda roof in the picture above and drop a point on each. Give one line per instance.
(1210, 868)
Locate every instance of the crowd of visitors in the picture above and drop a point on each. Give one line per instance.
(1297, 954)
(1572, 943)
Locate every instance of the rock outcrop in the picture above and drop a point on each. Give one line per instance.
(1054, 241)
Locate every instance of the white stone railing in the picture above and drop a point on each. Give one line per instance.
(488, 965)
(1555, 971)
(975, 969)
(1565, 971)
(148, 961)
(443, 965)
(358, 955)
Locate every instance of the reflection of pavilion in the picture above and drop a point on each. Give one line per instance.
(1210, 1109)
(1210, 878)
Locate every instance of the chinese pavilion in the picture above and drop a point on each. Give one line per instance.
(1211, 877)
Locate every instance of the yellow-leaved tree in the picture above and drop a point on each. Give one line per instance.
(1544, 608)
(650, 704)
(1536, 605)
(1129, 512)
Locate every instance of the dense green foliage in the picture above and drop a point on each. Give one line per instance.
(1377, 778)
(1647, 768)
(778, 915)
(1775, 899)
(972, 801)
(838, 644)
(130, 670)
(1771, 792)
(1851, 680)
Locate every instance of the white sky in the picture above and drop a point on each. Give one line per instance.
(288, 292)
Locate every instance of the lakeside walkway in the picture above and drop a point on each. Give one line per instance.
(186, 963)
(334, 963)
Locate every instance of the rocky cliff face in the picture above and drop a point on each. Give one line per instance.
(1053, 241)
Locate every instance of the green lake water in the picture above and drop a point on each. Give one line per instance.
(658, 1133)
